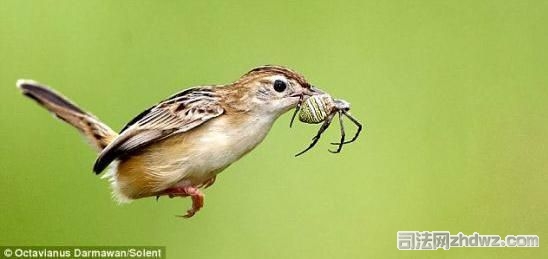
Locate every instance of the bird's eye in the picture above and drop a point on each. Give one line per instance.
(279, 86)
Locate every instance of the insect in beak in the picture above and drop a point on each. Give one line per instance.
(309, 92)
(322, 108)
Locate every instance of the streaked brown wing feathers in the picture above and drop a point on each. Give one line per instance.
(177, 114)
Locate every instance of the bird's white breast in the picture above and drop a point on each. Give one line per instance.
(217, 145)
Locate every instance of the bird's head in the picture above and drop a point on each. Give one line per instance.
(272, 90)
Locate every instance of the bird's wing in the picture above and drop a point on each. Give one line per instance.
(179, 113)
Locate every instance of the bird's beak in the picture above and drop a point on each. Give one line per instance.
(309, 91)
(313, 91)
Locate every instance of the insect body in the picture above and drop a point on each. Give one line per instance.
(323, 108)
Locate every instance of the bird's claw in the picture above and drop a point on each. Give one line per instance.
(195, 194)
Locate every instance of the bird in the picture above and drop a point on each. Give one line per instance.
(177, 147)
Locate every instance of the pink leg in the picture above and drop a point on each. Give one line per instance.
(195, 194)
(209, 182)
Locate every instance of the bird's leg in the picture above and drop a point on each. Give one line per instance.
(195, 194)
(209, 182)
(197, 201)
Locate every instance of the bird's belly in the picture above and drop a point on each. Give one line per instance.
(209, 152)
(188, 158)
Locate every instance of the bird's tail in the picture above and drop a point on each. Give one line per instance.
(97, 133)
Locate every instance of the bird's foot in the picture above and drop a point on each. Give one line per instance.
(195, 194)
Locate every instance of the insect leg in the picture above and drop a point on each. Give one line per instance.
(315, 139)
(358, 124)
(340, 145)
(297, 109)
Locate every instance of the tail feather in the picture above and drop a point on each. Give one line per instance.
(98, 134)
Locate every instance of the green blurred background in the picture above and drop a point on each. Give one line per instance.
(453, 95)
